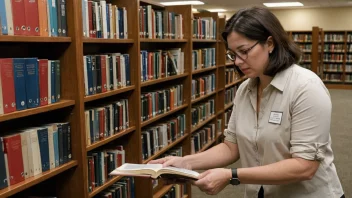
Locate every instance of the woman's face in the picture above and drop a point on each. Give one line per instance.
(251, 57)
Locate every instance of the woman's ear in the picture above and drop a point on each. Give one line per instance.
(271, 44)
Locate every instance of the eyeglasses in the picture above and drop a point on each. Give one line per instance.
(242, 54)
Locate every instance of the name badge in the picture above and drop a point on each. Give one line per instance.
(275, 117)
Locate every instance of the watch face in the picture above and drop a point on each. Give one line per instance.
(235, 181)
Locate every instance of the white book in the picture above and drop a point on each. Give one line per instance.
(29, 153)
(49, 81)
(97, 17)
(102, 165)
(123, 71)
(50, 128)
(48, 19)
(1, 98)
(149, 13)
(9, 19)
(86, 89)
(117, 28)
(24, 145)
(84, 17)
(87, 125)
(104, 19)
(127, 114)
(37, 162)
(125, 22)
(114, 69)
(111, 22)
(107, 71)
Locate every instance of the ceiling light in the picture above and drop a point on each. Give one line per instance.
(217, 10)
(171, 3)
(283, 4)
(194, 10)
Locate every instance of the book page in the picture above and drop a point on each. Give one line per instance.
(182, 171)
(128, 166)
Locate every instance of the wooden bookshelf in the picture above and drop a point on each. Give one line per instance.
(162, 191)
(198, 71)
(234, 83)
(28, 112)
(228, 106)
(201, 124)
(102, 40)
(204, 40)
(161, 80)
(107, 184)
(108, 93)
(146, 40)
(11, 190)
(35, 39)
(203, 97)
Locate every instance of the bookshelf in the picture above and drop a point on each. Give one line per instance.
(71, 179)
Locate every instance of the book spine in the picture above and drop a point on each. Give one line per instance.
(3, 177)
(63, 17)
(43, 81)
(3, 20)
(57, 81)
(43, 17)
(44, 148)
(8, 87)
(32, 17)
(32, 82)
(20, 83)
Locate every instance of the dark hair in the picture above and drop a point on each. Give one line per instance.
(258, 23)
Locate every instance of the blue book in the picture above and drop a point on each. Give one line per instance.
(111, 73)
(3, 19)
(52, 82)
(32, 82)
(121, 26)
(127, 68)
(3, 179)
(144, 64)
(108, 20)
(44, 148)
(53, 17)
(91, 126)
(56, 147)
(57, 81)
(19, 70)
(89, 75)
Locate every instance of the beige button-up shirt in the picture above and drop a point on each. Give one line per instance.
(294, 121)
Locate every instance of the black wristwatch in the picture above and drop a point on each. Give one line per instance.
(234, 180)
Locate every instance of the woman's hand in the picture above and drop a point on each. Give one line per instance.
(214, 180)
(174, 161)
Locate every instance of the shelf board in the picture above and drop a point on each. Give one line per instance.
(108, 93)
(151, 3)
(228, 106)
(339, 86)
(33, 111)
(205, 147)
(204, 40)
(201, 124)
(35, 39)
(230, 64)
(146, 40)
(166, 148)
(162, 191)
(204, 70)
(185, 196)
(234, 83)
(203, 97)
(158, 117)
(102, 40)
(152, 82)
(219, 90)
(11, 190)
(107, 184)
(109, 139)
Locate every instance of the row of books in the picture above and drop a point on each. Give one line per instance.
(104, 20)
(33, 18)
(202, 111)
(334, 48)
(203, 58)
(176, 191)
(348, 78)
(349, 37)
(334, 37)
(101, 162)
(202, 137)
(32, 151)
(349, 58)
(159, 24)
(28, 83)
(106, 72)
(333, 67)
(227, 115)
(305, 47)
(231, 75)
(159, 136)
(204, 28)
(332, 77)
(203, 85)
(230, 95)
(161, 101)
(334, 57)
(348, 68)
(124, 188)
(306, 58)
(302, 37)
(161, 63)
(106, 121)
(349, 48)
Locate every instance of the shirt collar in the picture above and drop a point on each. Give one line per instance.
(279, 81)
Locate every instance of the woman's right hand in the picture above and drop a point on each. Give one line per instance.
(174, 161)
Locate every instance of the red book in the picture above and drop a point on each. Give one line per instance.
(103, 73)
(18, 17)
(13, 157)
(8, 86)
(32, 17)
(90, 16)
(43, 81)
(101, 124)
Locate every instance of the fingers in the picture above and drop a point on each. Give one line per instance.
(169, 162)
(158, 161)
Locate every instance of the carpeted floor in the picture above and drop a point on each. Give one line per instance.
(341, 134)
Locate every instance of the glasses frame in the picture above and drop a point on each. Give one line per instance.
(233, 54)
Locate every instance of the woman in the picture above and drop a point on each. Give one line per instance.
(280, 123)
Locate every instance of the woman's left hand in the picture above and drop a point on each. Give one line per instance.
(214, 180)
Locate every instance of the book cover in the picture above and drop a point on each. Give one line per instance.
(20, 86)
(19, 20)
(24, 145)
(44, 148)
(7, 85)
(3, 20)
(53, 17)
(56, 145)
(13, 158)
(43, 17)
(32, 17)
(57, 81)
(43, 81)
(32, 82)
(3, 178)
(52, 92)
(63, 18)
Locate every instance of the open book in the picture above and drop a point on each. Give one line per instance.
(154, 171)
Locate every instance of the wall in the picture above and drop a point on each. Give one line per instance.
(305, 19)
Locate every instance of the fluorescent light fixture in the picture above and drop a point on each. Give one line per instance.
(283, 4)
(194, 10)
(217, 10)
(171, 3)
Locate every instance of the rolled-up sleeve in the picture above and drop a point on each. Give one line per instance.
(311, 117)
(230, 131)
